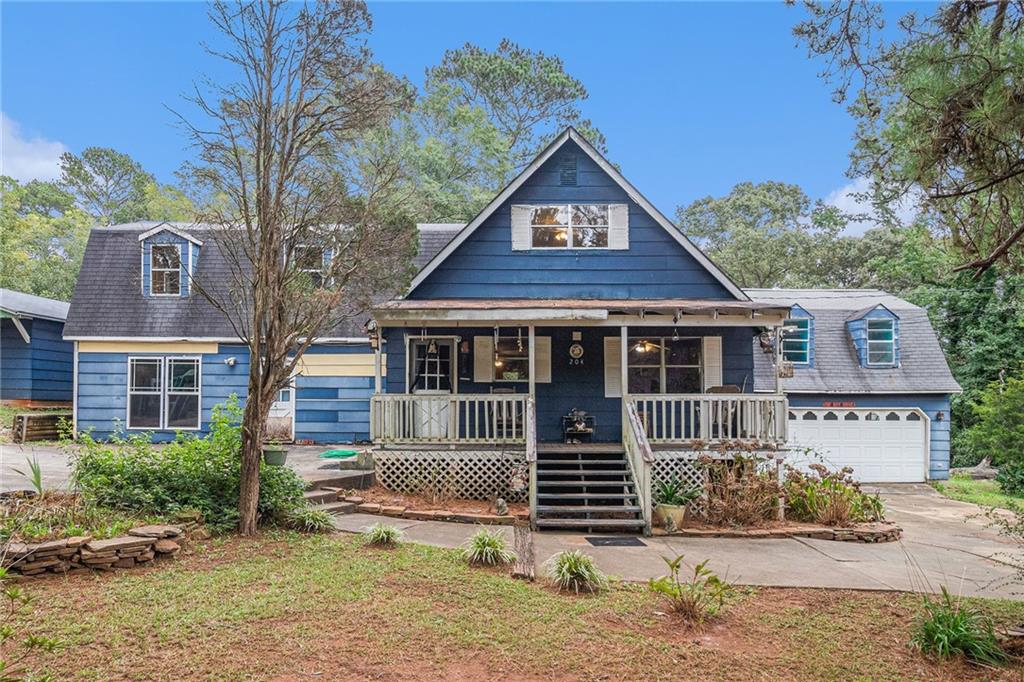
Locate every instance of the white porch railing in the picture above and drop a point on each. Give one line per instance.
(683, 418)
(409, 419)
(640, 459)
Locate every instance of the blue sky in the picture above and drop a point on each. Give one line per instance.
(693, 98)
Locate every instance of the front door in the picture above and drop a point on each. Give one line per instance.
(432, 373)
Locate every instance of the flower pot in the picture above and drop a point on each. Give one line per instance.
(670, 516)
(275, 456)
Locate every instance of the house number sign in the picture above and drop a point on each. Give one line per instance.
(576, 354)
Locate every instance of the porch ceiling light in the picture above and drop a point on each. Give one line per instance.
(432, 347)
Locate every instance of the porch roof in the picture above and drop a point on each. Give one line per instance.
(571, 308)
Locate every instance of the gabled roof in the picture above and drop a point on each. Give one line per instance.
(571, 134)
(18, 304)
(168, 227)
(837, 369)
(864, 311)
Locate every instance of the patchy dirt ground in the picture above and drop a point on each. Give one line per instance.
(287, 607)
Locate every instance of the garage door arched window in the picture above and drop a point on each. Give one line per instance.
(851, 417)
(892, 417)
(831, 417)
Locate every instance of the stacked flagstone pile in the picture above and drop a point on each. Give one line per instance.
(142, 545)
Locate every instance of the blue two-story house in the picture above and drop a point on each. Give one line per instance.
(569, 346)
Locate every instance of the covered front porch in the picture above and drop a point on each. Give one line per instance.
(486, 389)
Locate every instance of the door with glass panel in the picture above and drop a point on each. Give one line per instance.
(431, 371)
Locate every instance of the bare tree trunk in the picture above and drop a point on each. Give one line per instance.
(253, 422)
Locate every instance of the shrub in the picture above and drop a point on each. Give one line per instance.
(947, 627)
(309, 519)
(832, 498)
(383, 536)
(674, 492)
(695, 599)
(1010, 478)
(739, 492)
(488, 548)
(575, 571)
(200, 474)
(998, 432)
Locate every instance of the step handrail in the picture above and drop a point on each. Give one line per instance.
(640, 458)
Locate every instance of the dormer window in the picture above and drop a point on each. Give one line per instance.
(796, 341)
(165, 270)
(310, 260)
(881, 342)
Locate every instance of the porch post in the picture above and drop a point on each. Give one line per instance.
(532, 348)
(377, 366)
(623, 360)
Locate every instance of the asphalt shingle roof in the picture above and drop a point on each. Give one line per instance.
(923, 367)
(28, 305)
(108, 300)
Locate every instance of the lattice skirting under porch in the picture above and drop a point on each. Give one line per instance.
(458, 474)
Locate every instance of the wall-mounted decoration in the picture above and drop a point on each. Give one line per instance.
(576, 354)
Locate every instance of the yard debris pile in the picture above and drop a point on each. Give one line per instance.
(141, 546)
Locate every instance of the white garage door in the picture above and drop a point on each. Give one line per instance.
(881, 445)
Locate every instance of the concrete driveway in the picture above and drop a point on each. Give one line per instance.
(941, 537)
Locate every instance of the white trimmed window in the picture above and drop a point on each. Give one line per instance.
(310, 260)
(164, 393)
(796, 341)
(512, 359)
(570, 226)
(881, 342)
(664, 365)
(165, 270)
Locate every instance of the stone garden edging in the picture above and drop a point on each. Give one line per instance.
(867, 532)
(142, 545)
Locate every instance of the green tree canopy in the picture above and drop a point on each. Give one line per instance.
(107, 184)
(765, 234)
(940, 113)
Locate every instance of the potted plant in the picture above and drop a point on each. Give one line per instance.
(274, 454)
(671, 498)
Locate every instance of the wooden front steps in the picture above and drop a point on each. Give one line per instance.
(586, 487)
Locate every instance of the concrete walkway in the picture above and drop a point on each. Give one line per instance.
(940, 537)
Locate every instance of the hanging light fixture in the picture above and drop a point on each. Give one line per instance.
(432, 347)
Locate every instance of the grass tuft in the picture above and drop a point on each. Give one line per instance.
(947, 628)
(488, 548)
(576, 572)
(381, 535)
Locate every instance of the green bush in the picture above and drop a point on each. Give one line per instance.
(383, 536)
(1010, 478)
(201, 474)
(695, 599)
(831, 498)
(575, 571)
(998, 432)
(946, 628)
(488, 548)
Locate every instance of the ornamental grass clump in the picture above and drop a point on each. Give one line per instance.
(831, 498)
(947, 628)
(309, 519)
(381, 535)
(696, 598)
(739, 491)
(575, 571)
(488, 548)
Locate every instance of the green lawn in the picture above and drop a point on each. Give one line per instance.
(284, 606)
(984, 493)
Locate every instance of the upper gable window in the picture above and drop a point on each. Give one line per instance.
(796, 341)
(165, 270)
(310, 260)
(881, 341)
(569, 226)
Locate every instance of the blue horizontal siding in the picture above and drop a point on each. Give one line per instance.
(39, 370)
(654, 266)
(339, 411)
(938, 455)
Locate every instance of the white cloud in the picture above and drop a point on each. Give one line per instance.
(845, 199)
(27, 158)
